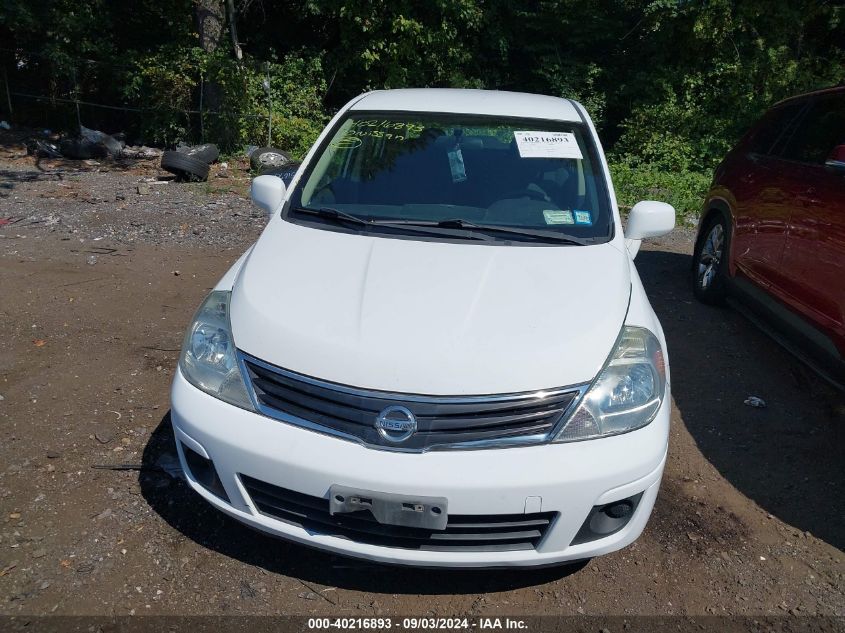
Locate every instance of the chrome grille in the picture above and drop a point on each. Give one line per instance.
(442, 422)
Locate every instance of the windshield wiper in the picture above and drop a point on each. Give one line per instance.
(332, 214)
(553, 236)
(336, 215)
(428, 228)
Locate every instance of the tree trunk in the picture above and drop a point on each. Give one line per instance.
(233, 28)
(210, 17)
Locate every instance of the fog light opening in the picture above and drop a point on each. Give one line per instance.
(619, 510)
(607, 519)
(204, 473)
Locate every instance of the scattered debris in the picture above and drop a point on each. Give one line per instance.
(39, 342)
(754, 401)
(140, 153)
(92, 259)
(4, 125)
(103, 436)
(43, 149)
(90, 144)
(139, 467)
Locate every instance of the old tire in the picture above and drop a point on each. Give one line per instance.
(207, 152)
(710, 261)
(265, 157)
(184, 166)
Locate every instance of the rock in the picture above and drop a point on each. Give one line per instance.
(144, 189)
(103, 436)
(92, 259)
(39, 553)
(308, 595)
(53, 454)
(105, 514)
(85, 568)
(754, 401)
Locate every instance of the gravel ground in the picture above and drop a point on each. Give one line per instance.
(101, 266)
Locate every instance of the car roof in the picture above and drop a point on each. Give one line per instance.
(465, 101)
(812, 93)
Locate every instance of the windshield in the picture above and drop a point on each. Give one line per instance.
(400, 170)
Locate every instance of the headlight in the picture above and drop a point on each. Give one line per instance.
(209, 360)
(627, 393)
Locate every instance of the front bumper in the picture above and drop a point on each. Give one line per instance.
(565, 478)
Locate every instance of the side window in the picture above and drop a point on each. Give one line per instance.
(822, 129)
(775, 124)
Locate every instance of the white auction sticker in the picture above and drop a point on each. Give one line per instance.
(547, 145)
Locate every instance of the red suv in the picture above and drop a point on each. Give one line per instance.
(772, 231)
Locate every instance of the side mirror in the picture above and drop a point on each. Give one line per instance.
(836, 158)
(648, 219)
(268, 192)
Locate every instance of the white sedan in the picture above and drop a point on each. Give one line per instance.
(439, 352)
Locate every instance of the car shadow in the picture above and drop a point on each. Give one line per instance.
(789, 457)
(188, 513)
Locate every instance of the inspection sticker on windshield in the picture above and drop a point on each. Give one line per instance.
(583, 217)
(547, 145)
(556, 216)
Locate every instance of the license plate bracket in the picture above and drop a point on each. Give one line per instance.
(430, 513)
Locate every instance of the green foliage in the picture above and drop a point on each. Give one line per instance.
(671, 84)
(683, 189)
(165, 82)
(400, 43)
(715, 67)
(236, 106)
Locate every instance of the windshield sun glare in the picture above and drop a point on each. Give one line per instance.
(406, 170)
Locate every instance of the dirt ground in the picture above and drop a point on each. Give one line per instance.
(101, 267)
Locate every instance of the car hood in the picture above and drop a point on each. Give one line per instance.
(429, 317)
